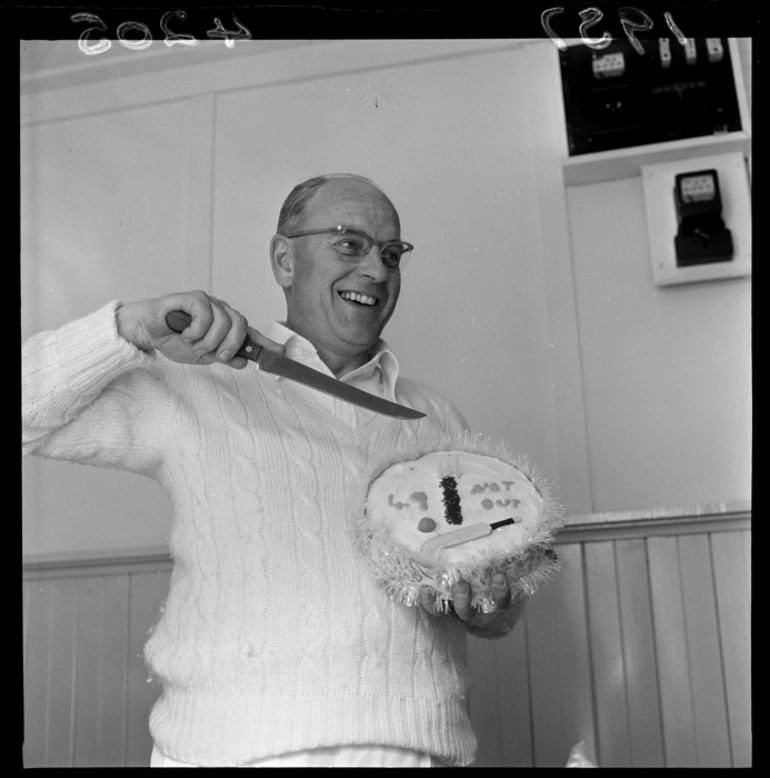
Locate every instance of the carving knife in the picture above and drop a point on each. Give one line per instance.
(294, 371)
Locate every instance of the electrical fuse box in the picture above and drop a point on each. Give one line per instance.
(617, 98)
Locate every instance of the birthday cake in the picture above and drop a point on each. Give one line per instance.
(462, 512)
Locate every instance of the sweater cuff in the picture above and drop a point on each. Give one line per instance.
(90, 352)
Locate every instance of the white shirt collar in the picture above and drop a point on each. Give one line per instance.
(302, 350)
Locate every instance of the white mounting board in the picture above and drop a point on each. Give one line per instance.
(658, 183)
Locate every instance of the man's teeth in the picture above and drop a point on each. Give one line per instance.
(364, 299)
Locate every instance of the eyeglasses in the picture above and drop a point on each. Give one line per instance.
(354, 245)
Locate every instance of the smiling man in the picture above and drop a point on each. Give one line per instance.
(274, 647)
(340, 290)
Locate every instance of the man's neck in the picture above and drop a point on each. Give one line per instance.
(341, 365)
(338, 364)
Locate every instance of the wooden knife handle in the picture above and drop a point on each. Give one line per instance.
(178, 321)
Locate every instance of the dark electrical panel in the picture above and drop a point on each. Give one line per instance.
(617, 98)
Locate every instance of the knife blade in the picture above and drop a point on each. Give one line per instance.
(271, 362)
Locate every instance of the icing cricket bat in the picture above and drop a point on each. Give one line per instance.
(462, 535)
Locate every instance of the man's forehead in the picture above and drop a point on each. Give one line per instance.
(343, 200)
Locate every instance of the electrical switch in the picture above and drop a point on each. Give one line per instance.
(714, 49)
(702, 236)
(690, 53)
(664, 47)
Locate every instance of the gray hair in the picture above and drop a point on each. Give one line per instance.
(293, 208)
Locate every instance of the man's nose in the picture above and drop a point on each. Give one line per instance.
(373, 266)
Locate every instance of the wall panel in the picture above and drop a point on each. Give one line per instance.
(671, 645)
(732, 576)
(113, 207)
(36, 671)
(639, 648)
(639, 660)
(609, 672)
(545, 678)
(484, 704)
(513, 698)
(666, 382)
(87, 700)
(704, 660)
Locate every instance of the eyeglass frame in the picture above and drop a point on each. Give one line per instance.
(341, 228)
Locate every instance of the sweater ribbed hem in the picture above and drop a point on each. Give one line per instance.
(221, 730)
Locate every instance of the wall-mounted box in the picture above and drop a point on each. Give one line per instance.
(659, 182)
(617, 98)
(620, 157)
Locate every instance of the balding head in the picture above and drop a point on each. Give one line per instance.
(338, 304)
(294, 207)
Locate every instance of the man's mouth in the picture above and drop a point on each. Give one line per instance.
(359, 298)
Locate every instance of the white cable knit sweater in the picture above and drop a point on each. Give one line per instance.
(273, 637)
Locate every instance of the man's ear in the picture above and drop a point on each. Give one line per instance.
(282, 259)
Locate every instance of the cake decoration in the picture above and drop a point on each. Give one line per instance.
(451, 500)
(466, 509)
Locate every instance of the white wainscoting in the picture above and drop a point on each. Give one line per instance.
(640, 648)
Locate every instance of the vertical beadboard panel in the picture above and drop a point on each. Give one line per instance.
(545, 678)
(62, 653)
(574, 651)
(113, 676)
(90, 604)
(26, 599)
(641, 656)
(645, 726)
(613, 737)
(704, 656)
(732, 575)
(484, 701)
(559, 668)
(147, 592)
(747, 561)
(101, 678)
(671, 648)
(513, 697)
(36, 673)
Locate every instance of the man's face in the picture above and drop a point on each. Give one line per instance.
(322, 280)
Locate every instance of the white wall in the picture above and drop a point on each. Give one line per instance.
(114, 206)
(666, 370)
(529, 305)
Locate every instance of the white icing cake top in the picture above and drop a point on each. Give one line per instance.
(448, 491)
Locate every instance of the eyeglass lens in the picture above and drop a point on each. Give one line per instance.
(356, 246)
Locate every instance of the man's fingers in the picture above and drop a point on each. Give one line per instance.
(235, 336)
(263, 340)
(198, 305)
(461, 600)
(220, 325)
(500, 592)
(426, 599)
